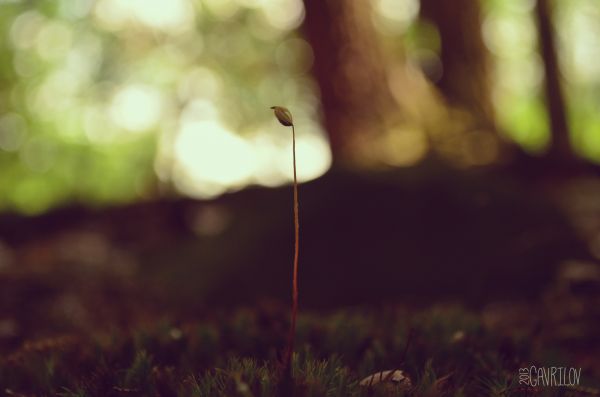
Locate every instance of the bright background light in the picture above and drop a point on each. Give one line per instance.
(115, 100)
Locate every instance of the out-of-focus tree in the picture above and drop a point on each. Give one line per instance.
(545, 78)
(465, 81)
(560, 150)
(350, 70)
(379, 106)
(467, 135)
(577, 41)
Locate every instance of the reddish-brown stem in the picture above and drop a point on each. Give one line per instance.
(290, 346)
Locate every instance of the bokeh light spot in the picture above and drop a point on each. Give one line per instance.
(54, 40)
(173, 16)
(25, 29)
(136, 107)
(206, 152)
(284, 14)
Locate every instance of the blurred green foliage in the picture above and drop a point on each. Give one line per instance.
(509, 29)
(96, 96)
(93, 93)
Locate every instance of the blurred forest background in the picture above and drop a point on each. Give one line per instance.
(111, 101)
(449, 151)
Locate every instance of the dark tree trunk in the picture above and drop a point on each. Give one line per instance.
(560, 150)
(349, 69)
(465, 81)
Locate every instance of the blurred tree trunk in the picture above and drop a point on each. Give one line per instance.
(465, 82)
(560, 151)
(349, 68)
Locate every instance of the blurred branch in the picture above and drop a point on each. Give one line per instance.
(560, 148)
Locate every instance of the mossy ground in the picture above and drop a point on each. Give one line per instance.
(450, 352)
(130, 302)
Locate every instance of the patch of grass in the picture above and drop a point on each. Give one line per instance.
(236, 354)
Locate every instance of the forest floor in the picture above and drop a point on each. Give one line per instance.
(441, 350)
(79, 316)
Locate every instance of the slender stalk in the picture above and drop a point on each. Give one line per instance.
(285, 118)
(291, 338)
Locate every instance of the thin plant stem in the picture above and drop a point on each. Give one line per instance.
(291, 338)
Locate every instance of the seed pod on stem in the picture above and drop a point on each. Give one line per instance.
(285, 117)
